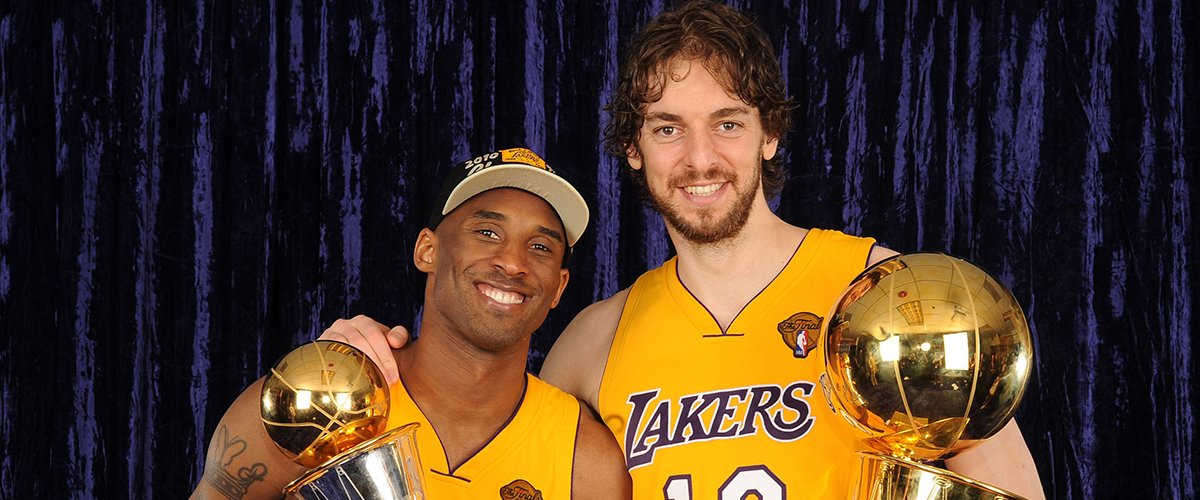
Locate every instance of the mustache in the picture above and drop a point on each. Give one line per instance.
(691, 176)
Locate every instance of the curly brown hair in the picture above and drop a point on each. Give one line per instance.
(734, 49)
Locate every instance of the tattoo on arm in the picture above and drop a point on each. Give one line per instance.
(233, 484)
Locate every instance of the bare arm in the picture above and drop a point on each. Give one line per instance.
(599, 468)
(1003, 461)
(576, 362)
(242, 461)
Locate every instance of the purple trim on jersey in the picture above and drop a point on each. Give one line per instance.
(521, 401)
(611, 340)
(722, 334)
(578, 428)
(452, 476)
(725, 333)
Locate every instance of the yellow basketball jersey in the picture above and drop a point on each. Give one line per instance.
(530, 458)
(702, 413)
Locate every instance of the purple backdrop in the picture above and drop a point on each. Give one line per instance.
(189, 189)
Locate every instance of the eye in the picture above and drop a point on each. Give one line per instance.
(667, 131)
(545, 245)
(488, 233)
(729, 126)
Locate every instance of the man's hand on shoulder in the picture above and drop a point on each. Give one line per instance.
(372, 338)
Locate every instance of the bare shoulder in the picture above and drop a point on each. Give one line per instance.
(576, 362)
(599, 467)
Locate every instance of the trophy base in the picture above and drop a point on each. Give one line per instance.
(385, 467)
(886, 477)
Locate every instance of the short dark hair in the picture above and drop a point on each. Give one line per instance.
(734, 49)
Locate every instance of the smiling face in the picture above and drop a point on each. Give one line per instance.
(702, 150)
(494, 267)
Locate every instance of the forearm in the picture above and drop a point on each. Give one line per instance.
(1003, 461)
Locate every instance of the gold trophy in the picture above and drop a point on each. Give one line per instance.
(926, 355)
(325, 405)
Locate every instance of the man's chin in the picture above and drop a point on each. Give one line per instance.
(708, 225)
(709, 233)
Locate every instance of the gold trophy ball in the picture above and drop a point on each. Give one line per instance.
(321, 399)
(927, 355)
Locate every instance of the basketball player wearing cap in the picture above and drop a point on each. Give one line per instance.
(495, 255)
(707, 369)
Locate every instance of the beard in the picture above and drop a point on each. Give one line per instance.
(710, 226)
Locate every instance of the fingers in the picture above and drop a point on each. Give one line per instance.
(368, 336)
(397, 337)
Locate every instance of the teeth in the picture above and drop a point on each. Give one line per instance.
(504, 297)
(704, 190)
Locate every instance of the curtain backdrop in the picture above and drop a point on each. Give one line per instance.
(190, 188)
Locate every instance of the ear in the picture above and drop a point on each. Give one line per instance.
(562, 285)
(770, 148)
(634, 157)
(424, 252)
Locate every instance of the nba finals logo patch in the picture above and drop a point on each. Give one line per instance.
(520, 489)
(800, 333)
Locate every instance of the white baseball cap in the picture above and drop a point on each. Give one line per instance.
(517, 168)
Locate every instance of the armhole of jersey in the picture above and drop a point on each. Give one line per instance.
(579, 409)
(844, 249)
(574, 453)
(615, 345)
(850, 244)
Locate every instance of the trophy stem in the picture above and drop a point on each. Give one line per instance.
(883, 477)
(386, 467)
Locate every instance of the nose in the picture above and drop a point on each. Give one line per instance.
(701, 152)
(510, 258)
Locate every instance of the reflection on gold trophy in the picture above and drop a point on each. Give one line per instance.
(926, 355)
(325, 405)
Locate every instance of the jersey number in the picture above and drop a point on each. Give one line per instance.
(745, 480)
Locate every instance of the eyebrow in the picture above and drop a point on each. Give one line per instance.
(730, 111)
(489, 215)
(550, 233)
(662, 116)
(497, 216)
